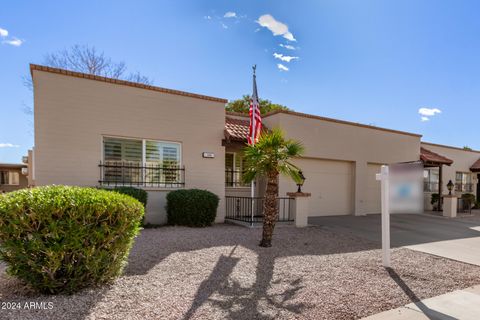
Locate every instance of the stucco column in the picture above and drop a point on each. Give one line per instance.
(450, 206)
(301, 207)
(360, 192)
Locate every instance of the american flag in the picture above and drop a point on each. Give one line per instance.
(254, 113)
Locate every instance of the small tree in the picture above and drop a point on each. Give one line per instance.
(87, 59)
(269, 157)
(243, 105)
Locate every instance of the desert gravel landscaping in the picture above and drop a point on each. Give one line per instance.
(220, 273)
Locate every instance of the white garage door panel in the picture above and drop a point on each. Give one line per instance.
(373, 202)
(331, 186)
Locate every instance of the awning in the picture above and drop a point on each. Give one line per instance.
(433, 159)
(476, 166)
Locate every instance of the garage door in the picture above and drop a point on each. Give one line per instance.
(331, 186)
(373, 202)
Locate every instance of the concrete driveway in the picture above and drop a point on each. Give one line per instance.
(457, 239)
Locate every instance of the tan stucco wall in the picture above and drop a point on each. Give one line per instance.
(72, 114)
(462, 161)
(330, 140)
(31, 168)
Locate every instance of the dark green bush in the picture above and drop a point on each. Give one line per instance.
(193, 207)
(469, 199)
(61, 239)
(139, 194)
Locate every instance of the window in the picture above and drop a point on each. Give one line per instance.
(431, 181)
(162, 155)
(463, 182)
(10, 178)
(141, 162)
(234, 167)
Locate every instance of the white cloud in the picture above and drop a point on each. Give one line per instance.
(207, 17)
(281, 67)
(276, 27)
(429, 111)
(287, 46)
(224, 26)
(8, 145)
(284, 58)
(230, 14)
(13, 42)
(3, 32)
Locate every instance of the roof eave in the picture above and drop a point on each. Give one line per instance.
(76, 74)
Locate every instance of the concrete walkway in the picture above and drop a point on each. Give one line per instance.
(457, 239)
(460, 304)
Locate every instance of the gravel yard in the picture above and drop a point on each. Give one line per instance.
(221, 273)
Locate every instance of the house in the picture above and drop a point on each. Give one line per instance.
(12, 177)
(97, 131)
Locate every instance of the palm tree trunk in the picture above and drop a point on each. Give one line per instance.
(270, 211)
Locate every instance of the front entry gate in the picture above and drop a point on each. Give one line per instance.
(250, 210)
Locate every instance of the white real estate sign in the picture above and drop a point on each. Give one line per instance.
(402, 192)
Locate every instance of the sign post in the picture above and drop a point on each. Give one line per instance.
(383, 177)
(402, 192)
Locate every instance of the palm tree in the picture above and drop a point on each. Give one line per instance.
(269, 157)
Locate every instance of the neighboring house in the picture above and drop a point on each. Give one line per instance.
(93, 131)
(459, 165)
(12, 177)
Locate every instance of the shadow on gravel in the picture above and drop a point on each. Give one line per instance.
(26, 304)
(219, 289)
(240, 302)
(150, 248)
(429, 313)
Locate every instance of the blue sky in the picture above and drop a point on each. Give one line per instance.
(373, 62)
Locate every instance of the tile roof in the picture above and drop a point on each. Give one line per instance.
(122, 82)
(476, 166)
(431, 157)
(236, 129)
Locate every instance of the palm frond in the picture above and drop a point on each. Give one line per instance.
(271, 154)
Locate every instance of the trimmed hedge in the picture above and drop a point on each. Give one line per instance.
(139, 194)
(60, 239)
(192, 207)
(468, 198)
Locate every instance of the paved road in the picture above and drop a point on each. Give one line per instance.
(457, 239)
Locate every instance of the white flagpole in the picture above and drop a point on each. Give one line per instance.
(252, 187)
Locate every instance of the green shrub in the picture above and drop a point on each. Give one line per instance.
(139, 194)
(61, 239)
(193, 207)
(469, 199)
